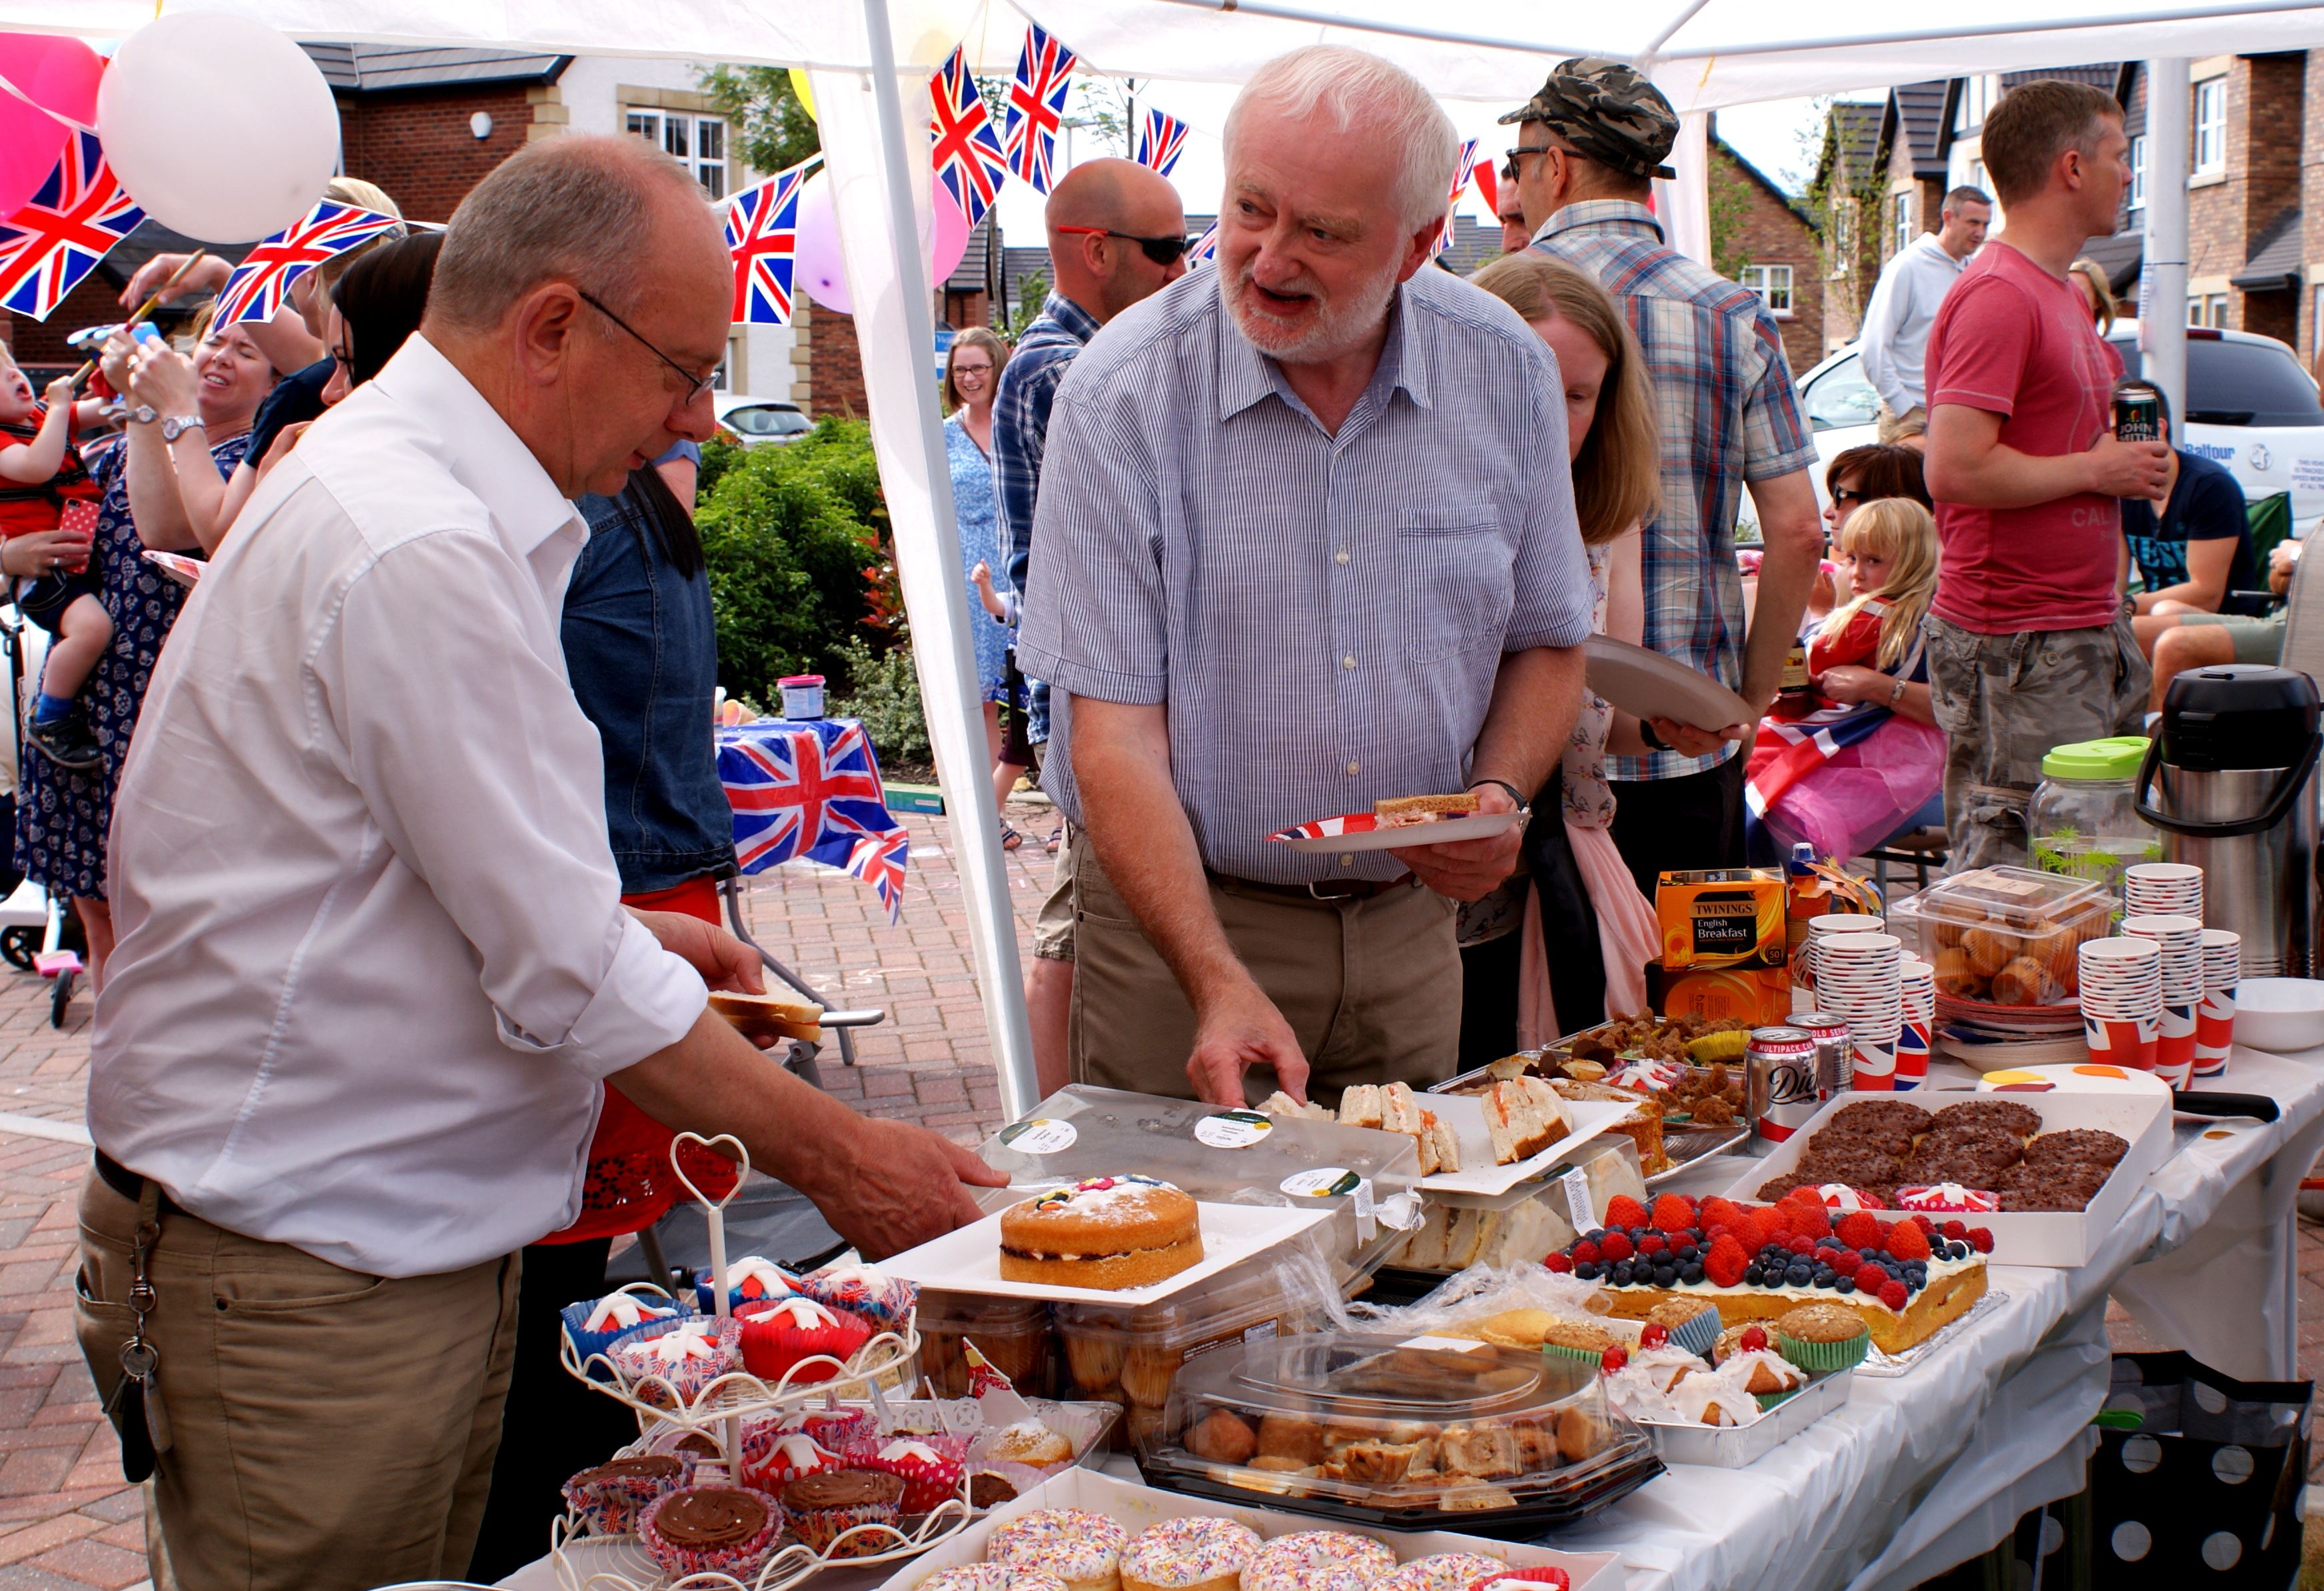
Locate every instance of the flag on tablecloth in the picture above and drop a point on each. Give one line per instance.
(1036, 105)
(964, 149)
(1459, 186)
(812, 789)
(262, 283)
(1161, 139)
(761, 239)
(73, 220)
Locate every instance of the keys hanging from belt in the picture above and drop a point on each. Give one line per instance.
(136, 1408)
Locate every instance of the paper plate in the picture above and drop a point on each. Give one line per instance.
(185, 570)
(1360, 831)
(1465, 1114)
(2089, 1078)
(1648, 685)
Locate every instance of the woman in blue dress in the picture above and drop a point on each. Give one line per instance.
(972, 377)
(63, 814)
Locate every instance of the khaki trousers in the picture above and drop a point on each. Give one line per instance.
(1372, 987)
(329, 1429)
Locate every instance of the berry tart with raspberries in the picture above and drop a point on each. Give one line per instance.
(1906, 1277)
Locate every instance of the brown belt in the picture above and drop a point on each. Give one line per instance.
(1324, 892)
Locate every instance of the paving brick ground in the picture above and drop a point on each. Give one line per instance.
(68, 1522)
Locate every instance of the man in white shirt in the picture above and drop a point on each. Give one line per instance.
(1895, 338)
(371, 964)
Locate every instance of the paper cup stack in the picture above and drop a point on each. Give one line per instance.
(1820, 928)
(2162, 889)
(2215, 1019)
(2181, 941)
(2122, 999)
(1859, 978)
(1918, 1024)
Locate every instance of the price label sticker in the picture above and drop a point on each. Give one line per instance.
(1325, 1180)
(1575, 1185)
(1039, 1135)
(1232, 1129)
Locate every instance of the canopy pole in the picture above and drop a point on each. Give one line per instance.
(2162, 273)
(873, 164)
(1683, 202)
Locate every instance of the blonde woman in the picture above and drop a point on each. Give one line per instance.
(971, 380)
(2091, 278)
(1569, 946)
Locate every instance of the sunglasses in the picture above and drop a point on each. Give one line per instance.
(1162, 250)
(696, 385)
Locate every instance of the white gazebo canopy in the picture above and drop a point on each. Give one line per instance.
(871, 60)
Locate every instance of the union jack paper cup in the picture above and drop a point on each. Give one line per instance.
(2127, 1042)
(1874, 1062)
(2162, 889)
(2122, 999)
(1918, 1001)
(2215, 1018)
(1823, 928)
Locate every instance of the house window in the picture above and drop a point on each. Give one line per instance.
(2138, 172)
(1772, 284)
(2208, 310)
(1904, 229)
(696, 142)
(1977, 96)
(2210, 126)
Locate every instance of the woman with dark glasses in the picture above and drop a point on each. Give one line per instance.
(1867, 475)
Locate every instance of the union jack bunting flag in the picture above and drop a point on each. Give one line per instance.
(812, 789)
(1488, 184)
(75, 217)
(1037, 107)
(1206, 251)
(261, 284)
(1161, 138)
(761, 238)
(1459, 186)
(966, 151)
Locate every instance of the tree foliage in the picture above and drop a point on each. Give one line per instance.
(769, 127)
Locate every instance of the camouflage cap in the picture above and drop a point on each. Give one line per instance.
(1607, 112)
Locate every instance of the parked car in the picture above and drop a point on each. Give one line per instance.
(753, 420)
(2250, 406)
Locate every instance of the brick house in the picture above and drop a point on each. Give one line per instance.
(1771, 244)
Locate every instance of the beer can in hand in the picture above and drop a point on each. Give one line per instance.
(1780, 1083)
(2137, 417)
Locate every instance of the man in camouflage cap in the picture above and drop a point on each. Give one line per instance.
(1589, 146)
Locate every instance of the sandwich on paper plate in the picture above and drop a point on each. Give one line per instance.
(1405, 811)
(1524, 1115)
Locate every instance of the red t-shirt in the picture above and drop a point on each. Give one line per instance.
(2014, 340)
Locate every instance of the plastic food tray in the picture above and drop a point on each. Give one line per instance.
(1734, 1446)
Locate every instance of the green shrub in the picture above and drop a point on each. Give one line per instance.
(718, 457)
(786, 551)
(885, 694)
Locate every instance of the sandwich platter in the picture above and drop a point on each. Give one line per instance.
(1465, 1114)
(1361, 831)
(1648, 685)
(969, 1260)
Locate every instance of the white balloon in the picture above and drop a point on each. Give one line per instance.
(218, 126)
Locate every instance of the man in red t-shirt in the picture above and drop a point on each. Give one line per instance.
(2029, 646)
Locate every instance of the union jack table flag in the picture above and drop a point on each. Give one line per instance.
(1037, 107)
(761, 239)
(1459, 186)
(966, 151)
(261, 284)
(1161, 139)
(70, 223)
(811, 789)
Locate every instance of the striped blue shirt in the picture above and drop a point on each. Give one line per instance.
(1323, 614)
(1020, 418)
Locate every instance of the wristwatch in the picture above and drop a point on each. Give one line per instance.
(1522, 804)
(144, 414)
(1897, 695)
(178, 425)
(1646, 733)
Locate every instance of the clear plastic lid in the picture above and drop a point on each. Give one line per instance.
(1391, 1425)
(2014, 897)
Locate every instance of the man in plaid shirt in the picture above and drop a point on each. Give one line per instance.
(1589, 146)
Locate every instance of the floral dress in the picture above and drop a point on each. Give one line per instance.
(977, 509)
(61, 814)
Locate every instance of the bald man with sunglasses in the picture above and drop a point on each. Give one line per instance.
(1117, 235)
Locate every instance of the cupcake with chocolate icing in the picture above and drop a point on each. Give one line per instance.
(731, 1529)
(608, 1499)
(824, 1507)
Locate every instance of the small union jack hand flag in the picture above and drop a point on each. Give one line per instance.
(261, 284)
(71, 222)
(761, 239)
(1161, 138)
(1459, 186)
(1489, 183)
(812, 789)
(1206, 251)
(966, 151)
(1037, 107)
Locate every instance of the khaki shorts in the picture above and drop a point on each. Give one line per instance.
(1053, 926)
(1372, 987)
(2256, 639)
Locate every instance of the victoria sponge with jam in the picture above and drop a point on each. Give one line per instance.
(1108, 1232)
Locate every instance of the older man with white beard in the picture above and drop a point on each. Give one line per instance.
(1306, 540)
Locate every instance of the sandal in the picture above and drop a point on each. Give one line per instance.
(1009, 839)
(1056, 838)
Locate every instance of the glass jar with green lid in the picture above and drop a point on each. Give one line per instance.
(2084, 817)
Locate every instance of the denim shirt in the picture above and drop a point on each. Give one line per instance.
(643, 656)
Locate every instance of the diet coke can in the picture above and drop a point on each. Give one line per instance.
(1833, 1065)
(1780, 1073)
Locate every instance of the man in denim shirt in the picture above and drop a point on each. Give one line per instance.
(1288, 566)
(1116, 234)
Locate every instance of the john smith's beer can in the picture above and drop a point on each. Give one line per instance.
(1830, 1035)
(1780, 1078)
(2137, 417)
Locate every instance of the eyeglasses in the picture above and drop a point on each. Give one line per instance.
(1162, 250)
(344, 357)
(1510, 168)
(696, 385)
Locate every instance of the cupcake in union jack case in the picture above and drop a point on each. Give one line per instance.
(593, 1324)
(786, 1460)
(749, 1281)
(929, 1466)
(866, 1291)
(831, 1429)
(778, 1336)
(702, 1529)
(822, 1508)
(608, 1499)
(671, 1361)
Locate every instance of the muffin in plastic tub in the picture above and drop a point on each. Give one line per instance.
(1014, 1335)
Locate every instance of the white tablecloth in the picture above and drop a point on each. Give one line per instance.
(1925, 1470)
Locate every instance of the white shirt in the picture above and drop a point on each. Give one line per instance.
(1895, 340)
(371, 961)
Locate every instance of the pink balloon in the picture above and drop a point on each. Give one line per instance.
(951, 241)
(55, 71)
(815, 252)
